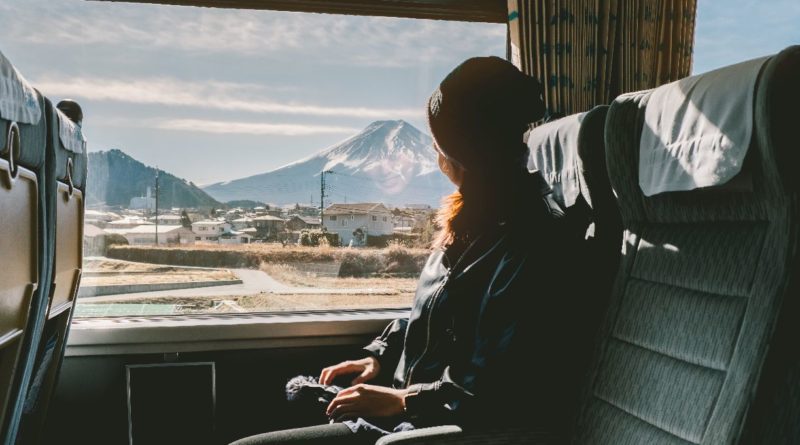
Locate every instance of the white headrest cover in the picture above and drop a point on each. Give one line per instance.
(18, 101)
(70, 134)
(554, 153)
(697, 130)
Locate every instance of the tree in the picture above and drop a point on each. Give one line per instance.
(185, 220)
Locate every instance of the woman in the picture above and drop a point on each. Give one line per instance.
(478, 348)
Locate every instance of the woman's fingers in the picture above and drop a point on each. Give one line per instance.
(368, 374)
(352, 389)
(340, 400)
(343, 410)
(330, 373)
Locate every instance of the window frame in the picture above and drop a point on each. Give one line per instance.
(488, 11)
(99, 336)
(90, 334)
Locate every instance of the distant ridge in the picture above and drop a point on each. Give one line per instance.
(389, 161)
(115, 177)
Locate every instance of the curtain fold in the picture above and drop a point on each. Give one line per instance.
(587, 52)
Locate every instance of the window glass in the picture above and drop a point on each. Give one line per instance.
(254, 121)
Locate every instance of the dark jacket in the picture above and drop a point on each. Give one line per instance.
(481, 346)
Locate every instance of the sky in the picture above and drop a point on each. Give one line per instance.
(213, 95)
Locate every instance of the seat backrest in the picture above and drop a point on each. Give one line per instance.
(65, 180)
(22, 238)
(702, 279)
(570, 155)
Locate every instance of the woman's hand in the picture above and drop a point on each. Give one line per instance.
(367, 401)
(367, 369)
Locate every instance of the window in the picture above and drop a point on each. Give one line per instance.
(294, 116)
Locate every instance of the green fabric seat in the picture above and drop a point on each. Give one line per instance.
(700, 287)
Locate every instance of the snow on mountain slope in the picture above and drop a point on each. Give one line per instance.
(389, 161)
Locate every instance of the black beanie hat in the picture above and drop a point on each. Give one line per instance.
(481, 110)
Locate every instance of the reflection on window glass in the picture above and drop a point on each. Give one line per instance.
(247, 161)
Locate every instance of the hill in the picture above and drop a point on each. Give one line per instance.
(114, 178)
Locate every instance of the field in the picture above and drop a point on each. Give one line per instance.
(106, 272)
(294, 278)
(395, 259)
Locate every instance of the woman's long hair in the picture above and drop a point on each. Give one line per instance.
(482, 199)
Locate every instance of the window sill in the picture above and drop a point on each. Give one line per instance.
(188, 333)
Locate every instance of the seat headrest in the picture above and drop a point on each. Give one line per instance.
(70, 134)
(18, 100)
(554, 153)
(697, 130)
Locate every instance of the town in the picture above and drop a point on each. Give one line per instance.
(342, 225)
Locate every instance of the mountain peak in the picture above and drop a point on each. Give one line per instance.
(390, 161)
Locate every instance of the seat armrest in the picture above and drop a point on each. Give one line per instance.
(453, 435)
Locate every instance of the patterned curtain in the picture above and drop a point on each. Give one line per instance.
(587, 52)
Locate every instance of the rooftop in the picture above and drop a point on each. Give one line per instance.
(357, 209)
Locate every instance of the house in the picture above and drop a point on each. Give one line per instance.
(234, 237)
(304, 210)
(128, 222)
(146, 234)
(297, 222)
(99, 218)
(355, 222)
(268, 226)
(210, 230)
(168, 219)
(93, 240)
(242, 223)
(402, 221)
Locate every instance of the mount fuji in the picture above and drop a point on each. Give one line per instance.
(389, 161)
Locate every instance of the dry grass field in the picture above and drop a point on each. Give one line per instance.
(114, 272)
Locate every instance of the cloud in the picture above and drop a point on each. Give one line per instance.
(253, 128)
(226, 96)
(215, 126)
(333, 39)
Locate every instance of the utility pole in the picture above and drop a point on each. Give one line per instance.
(156, 206)
(322, 198)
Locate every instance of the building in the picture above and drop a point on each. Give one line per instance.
(146, 234)
(297, 222)
(99, 218)
(234, 237)
(168, 219)
(210, 230)
(242, 223)
(354, 223)
(93, 240)
(268, 226)
(128, 222)
(146, 202)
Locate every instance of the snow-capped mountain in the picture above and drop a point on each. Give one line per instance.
(389, 161)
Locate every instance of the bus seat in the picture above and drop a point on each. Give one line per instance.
(66, 168)
(703, 276)
(570, 155)
(570, 152)
(22, 238)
